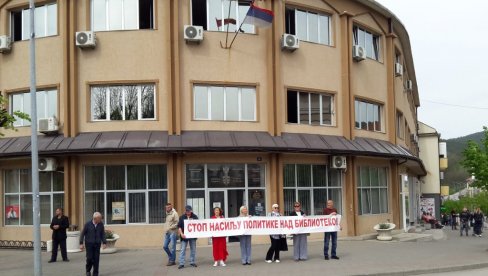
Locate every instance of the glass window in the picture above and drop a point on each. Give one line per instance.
(248, 104)
(195, 176)
(200, 102)
(304, 108)
(255, 175)
(324, 30)
(301, 25)
(157, 177)
(157, 203)
(115, 177)
(131, 14)
(47, 105)
(368, 40)
(147, 102)
(111, 198)
(131, 102)
(308, 26)
(304, 176)
(94, 202)
(136, 177)
(315, 109)
(99, 15)
(226, 175)
(372, 190)
(217, 103)
(196, 199)
(257, 202)
(313, 27)
(94, 178)
(368, 116)
(45, 16)
(218, 15)
(110, 15)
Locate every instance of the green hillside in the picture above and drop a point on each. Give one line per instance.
(456, 174)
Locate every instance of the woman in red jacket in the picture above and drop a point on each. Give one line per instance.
(219, 244)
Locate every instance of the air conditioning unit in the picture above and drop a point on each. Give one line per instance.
(47, 164)
(86, 39)
(414, 138)
(398, 69)
(48, 125)
(5, 44)
(193, 33)
(290, 42)
(338, 162)
(409, 85)
(358, 53)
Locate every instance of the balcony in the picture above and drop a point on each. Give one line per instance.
(443, 164)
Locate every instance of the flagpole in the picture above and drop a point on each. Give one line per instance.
(228, 16)
(239, 30)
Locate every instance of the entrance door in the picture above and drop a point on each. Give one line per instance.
(230, 201)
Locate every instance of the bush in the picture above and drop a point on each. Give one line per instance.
(480, 200)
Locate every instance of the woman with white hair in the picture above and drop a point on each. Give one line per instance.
(275, 247)
(245, 240)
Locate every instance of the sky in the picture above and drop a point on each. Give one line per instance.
(449, 41)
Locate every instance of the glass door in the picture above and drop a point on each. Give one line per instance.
(217, 199)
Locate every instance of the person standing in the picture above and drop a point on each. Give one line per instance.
(453, 220)
(245, 240)
(59, 224)
(93, 235)
(171, 233)
(299, 240)
(184, 241)
(275, 247)
(478, 222)
(464, 218)
(219, 245)
(330, 210)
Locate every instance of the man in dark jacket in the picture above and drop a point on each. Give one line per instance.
(94, 235)
(184, 241)
(59, 224)
(464, 219)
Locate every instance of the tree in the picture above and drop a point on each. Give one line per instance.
(475, 160)
(6, 119)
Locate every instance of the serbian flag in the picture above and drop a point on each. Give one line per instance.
(259, 17)
(227, 21)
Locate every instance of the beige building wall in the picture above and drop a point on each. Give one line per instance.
(429, 145)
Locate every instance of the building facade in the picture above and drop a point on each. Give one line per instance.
(147, 117)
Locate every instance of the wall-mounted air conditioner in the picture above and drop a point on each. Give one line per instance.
(290, 42)
(358, 53)
(86, 39)
(338, 162)
(193, 33)
(5, 44)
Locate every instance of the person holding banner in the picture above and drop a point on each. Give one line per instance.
(219, 244)
(245, 240)
(299, 240)
(275, 247)
(330, 210)
(188, 215)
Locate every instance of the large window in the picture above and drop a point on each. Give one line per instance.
(369, 41)
(224, 103)
(309, 108)
(18, 196)
(308, 26)
(372, 183)
(126, 194)
(312, 186)
(123, 102)
(217, 15)
(46, 20)
(400, 125)
(112, 15)
(246, 180)
(47, 105)
(368, 116)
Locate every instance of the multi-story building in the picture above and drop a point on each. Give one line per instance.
(147, 116)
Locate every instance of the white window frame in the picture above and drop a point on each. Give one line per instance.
(209, 103)
(139, 103)
(107, 17)
(374, 37)
(27, 36)
(400, 125)
(358, 114)
(332, 113)
(20, 122)
(319, 34)
(371, 188)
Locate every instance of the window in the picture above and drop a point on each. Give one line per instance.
(368, 116)
(18, 196)
(372, 190)
(312, 186)
(369, 41)
(46, 20)
(224, 103)
(217, 15)
(400, 125)
(112, 15)
(127, 193)
(309, 108)
(47, 105)
(123, 102)
(308, 26)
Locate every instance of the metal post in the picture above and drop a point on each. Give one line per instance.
(34, 149)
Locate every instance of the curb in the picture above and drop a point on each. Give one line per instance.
(428, 270)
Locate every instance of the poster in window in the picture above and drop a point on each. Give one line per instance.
(12, 211)
(256, 206)
(195, 176)
(118, 210)
(427, 205)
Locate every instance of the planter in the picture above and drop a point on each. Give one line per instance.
(73, 241)
(110, 246)
(384, 234)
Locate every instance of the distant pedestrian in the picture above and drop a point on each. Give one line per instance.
(219, 244)
(330, 210)
(245, 240)
(274, 249)
(188, 215)
(171, 233)
(478, 222)
(59, 224)
(93, 235)
(300, 250)
(453, 220)
(464, 219)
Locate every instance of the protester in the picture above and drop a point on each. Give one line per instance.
(93, 235)
(171, 233)
(299, 240)
(184, 241)
(245, 240)
(59, 224)
(464, 218)
(478, 222)
(453, 220)
(219, 245)
(275, 247)
(330, 210)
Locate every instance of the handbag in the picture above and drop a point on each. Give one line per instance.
(283, 244)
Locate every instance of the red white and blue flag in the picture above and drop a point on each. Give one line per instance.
(259, 17)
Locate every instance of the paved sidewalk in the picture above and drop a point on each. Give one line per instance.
(369, 257)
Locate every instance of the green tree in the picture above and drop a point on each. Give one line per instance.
(6, 119)
(475, 160)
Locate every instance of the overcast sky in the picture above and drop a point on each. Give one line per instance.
(449, 40)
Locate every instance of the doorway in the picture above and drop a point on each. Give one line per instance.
(230, 201)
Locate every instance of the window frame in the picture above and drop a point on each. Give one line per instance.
(122, 16)
(358, 115)
(321, 106)
(400, 132)
(25, 123)
(374, 37)
(46, 21)
(360, 187)
(319, 15)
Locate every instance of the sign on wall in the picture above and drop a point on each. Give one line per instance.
(12, 211)
(118, 210)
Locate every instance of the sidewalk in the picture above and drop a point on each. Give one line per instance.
(368, 257)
